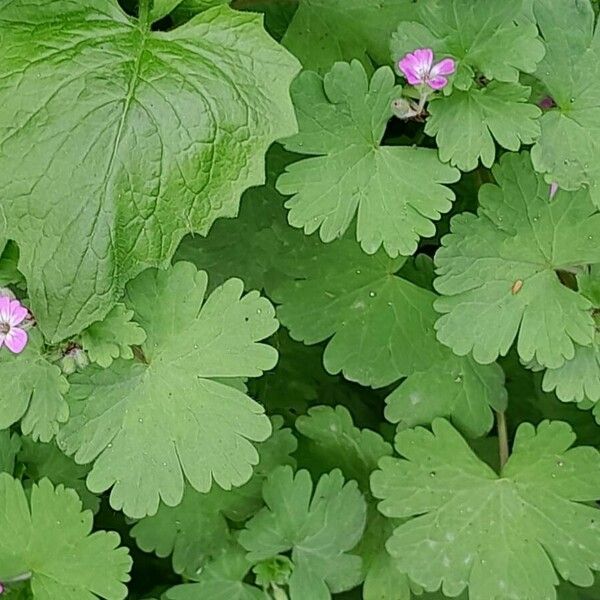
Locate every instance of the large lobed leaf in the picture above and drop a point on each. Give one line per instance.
(504, 536)
(116, 140)
(171, 415)
(499, 270)
(397, 191)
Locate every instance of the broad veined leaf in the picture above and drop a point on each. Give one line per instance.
(485, 39)
(499, 270)
(112, 337)
(50, 537)
(466, 124)
(196, 531)
(506, 536)
(170, 414)
(568, 147)
(111, 156)
(323, 32)
(395, 192)
(46, 460)
(32, 390)
(222, 579)
(320, 526)
(10, 444)
(382, 329)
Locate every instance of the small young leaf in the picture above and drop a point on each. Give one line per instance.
(319, 526)
(32, 390)
(112, 337)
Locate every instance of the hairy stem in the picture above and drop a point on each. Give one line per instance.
(502, 438)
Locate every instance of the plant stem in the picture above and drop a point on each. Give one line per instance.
(502, 438)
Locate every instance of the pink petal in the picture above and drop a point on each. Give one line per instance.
(4, 309)
(17, 313)
(437, 83)
(407, 66)
(444, 67)
(553, 189)
(16, 340)
(424, 57)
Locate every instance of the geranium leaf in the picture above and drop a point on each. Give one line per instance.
(171, 414)
(196, 531)
(381, 329)
(484, 38)
(33, 390)
(110, 157)
(498, 271)
(568, 146)
(467, 124)
(500, 536)
(50, 537)
(397, 191)
(323, 32)
(320, 526)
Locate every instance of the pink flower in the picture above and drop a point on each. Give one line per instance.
(12, 313)
(418, 68)
(1, 589)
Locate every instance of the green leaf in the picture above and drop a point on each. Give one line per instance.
(196, 530)
(46, 460)
(186, 9)
(381, 329)
(222, 579)
(319, 526)
(323, 32)
(331, 440)
(578, 379)
(466, 124)
(502, 536)
(170, 415)
(9, 271)
(112, 337)
(484, 38)
(498, 270)
(397, 191)
(245, 247)
(50, 538)
(32, 390)
(161, 8)
(140, 137)
(10, 444)
(569, 143)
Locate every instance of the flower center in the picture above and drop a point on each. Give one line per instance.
(4, 328)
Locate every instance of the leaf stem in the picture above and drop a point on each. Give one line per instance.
(502, 438)
(144, 14)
